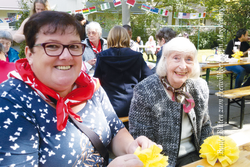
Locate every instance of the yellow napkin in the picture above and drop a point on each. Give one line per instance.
(151, 157)
(237, 55)
(221, 148)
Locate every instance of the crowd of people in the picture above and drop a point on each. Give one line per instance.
(73, 81)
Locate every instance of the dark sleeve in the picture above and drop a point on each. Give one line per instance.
(229, 48)
(145, 70)
(97, 73)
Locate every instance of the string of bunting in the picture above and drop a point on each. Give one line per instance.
(11, 19)
(162, 11)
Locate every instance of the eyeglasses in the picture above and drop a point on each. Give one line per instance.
(92, 32)
(56, 49)
(5, 43)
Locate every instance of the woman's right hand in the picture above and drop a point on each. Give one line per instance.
(128, 160)
(92, 62)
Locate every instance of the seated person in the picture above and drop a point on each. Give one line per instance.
(46, 99)
(171, 106)
(150, 47)
(119, 69)
(10, 53)
(240, 70)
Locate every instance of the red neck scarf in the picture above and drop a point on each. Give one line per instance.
(84, 90)
(180, 95)
(98, 49)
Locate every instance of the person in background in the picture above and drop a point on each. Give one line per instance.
(6, 40)
(150, 47)
(37, 110)
(5, 67)
(240, 70)
(119, 69)
(164, 35)
(37, 7)
(139, 42)
(133, 44)
(94, 45)
(171, 106)
(84, 22)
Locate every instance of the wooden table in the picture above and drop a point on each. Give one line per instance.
(243, 161)
(208, 66)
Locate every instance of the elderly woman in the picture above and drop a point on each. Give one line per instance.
(119, 69)
(47, 100)
(94, 45)
(171, 106)
(6, 40)
(37, 7)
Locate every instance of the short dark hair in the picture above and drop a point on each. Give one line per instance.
(79, 16)
(127, 27)
(166, 33)
(54, 20)
(241, 32)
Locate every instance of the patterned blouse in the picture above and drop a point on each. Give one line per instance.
(29, 136)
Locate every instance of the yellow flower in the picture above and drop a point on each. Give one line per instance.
(237, 55)
(151, 157)
(221, 148)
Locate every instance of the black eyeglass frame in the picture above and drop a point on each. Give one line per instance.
(64, 46)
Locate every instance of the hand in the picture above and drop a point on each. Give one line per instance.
(141, 141)
(128, 160)
(92, 61)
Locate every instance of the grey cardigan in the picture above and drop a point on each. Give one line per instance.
(154, 115)
(89, 54)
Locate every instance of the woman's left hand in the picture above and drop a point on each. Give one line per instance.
(141, 141)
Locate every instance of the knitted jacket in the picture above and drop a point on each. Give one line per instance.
(153, 114)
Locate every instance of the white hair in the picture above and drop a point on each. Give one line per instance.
(94, 26)
(179, 44)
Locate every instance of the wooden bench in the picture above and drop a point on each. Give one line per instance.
(124, 119)
(235, 96)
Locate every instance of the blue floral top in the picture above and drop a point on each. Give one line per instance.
(29, 136)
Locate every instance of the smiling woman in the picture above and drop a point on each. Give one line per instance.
(171, 106)
(49, 97)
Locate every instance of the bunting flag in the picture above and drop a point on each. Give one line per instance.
(70, 12)
(85, 11)
(7, 20)
(185, 15)
(1, 21)
(105, 6)
(180, 14)
(130, 2)
(202, 15)
(92, 9)
(117, 3)
(163, 12)
(194, 15)
(175, 14)
(145, 7)
(154, 10)
(78, 11)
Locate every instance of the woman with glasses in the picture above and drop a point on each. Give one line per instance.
(94, 45)
(37, 7)
(47, 97)
(6, 40)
